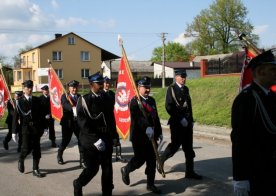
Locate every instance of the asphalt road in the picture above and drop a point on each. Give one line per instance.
(213, 161)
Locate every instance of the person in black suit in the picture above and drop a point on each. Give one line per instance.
(179, 106)
(11, 105)
(145, 126)
(46, 109)
(32, 122)
(253, 133)
(68, 121)
(97, 135)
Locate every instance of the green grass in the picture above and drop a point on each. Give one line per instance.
(211, 99)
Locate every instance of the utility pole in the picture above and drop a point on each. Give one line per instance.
(163, 59)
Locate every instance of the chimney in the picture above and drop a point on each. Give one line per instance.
(57, 35)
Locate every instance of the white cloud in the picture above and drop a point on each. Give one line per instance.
(182, 39)
(260, 29)
(104, 24)
(71, 21)
(54, 4)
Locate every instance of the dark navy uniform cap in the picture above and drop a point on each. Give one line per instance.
(18, 93)
(145, 81)
(28, 83)
(97, 77)
(106, 79)
(45, 87)
(73, 83)
(266, 57)
(180, 72)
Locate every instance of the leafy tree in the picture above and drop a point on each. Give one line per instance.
(215, 29)
(173, 52)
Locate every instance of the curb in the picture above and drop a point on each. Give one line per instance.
(206, 131)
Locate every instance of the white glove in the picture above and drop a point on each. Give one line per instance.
(74, 111)
(184, 122)
(161, 138)
(14, 137)
(46, 131)
(149, 132)
(100, 145)
(48, 116)
(241, 188)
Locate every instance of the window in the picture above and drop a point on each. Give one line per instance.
(19, 75)
(71, 40)
(24, 60)
(59, 73)
(84, 73)
(34, 74)
(28, 75)
(57, 56)
(85, 56)
(33, 57)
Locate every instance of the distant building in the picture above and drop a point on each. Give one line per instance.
(138, 69)
(192, 69)
(72, 57)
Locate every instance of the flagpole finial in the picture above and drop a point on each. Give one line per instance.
(49, 62)
(120, 40)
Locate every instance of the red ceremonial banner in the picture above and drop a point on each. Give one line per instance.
(124, 93)
(56, 90)
(246, 73)
(4, 96)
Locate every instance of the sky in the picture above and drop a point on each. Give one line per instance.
(140, 23)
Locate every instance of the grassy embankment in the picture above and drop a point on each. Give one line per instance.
(211, 99)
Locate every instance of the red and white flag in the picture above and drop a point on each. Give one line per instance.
(4, 96)
(56, 90)
(124, 93)
(246, 73)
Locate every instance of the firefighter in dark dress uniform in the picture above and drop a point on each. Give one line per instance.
(68, 121)
(179, 106)
(97, 132)
(46, 108)
(143, 128)
(11, 105)
(32, 122)
(253, 133)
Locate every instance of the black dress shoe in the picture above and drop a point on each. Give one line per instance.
(60, 160)
(77, 188)
(21, 167)
(125, 176)
(193, 175)
(6, 145)
(153, 189)
(37, 173)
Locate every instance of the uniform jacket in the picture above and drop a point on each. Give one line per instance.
(139, 122)
(184, 109)
(67, 108)
(30, 116)
(10, 112)
(253, 145)
(100, 124)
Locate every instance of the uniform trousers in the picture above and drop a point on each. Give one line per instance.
(93, 160)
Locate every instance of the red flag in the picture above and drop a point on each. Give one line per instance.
(124, 93)
(4, 96)
(246, 73)
(56, 90)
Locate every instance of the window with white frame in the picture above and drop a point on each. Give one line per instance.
(85, 56)
(84, 73)
(33, 57)
(19, 75)
(71, 40)
(59, 73)
(57, 56)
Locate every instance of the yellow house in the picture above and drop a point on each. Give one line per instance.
(72, 57)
